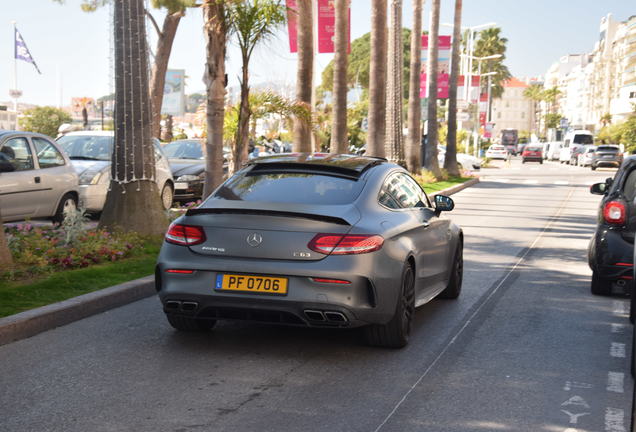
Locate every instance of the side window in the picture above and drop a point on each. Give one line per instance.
(401, 190)
(158, 151)
(48, 156)
(17, 151)
(629, 188)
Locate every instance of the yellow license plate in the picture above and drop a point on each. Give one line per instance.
(253, 284)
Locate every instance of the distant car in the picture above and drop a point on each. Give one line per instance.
(314, 240)
(187, 162)
(585, 156)
(610, 252)
(37, 179)
(606, 156)
(554, 150)
(573, 143)
(532, 153)
(91, 153)
(465, 161)
(497, 152)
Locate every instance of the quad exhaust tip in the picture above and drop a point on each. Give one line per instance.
(325, 316)
(184, 306)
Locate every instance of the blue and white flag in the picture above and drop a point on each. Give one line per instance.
(22, 52)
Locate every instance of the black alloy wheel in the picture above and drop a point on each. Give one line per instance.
(67, 204)
(395, 333)
(454, 287)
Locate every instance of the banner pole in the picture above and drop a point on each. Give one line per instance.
(15, 78)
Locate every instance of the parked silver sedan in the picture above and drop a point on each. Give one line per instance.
(37, 179)
(312, 240)
(91, 153)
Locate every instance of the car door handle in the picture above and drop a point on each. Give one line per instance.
(37, 179)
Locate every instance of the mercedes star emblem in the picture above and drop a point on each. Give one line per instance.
(254, 239)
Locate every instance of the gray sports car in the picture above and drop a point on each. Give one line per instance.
(317, 240)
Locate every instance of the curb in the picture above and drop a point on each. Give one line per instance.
(454, 189)
(29, 323)
(32, 322)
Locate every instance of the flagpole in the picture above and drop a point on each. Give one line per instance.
(15, 79)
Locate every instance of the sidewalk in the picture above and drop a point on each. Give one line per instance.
(34, 321)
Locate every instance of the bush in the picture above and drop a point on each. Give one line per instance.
(45, 120)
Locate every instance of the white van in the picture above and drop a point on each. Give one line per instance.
(573, 143)
(554, 150)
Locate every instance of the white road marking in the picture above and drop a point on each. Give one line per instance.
(614, 420)
(574, 418)
(618, 328)
(569, 385)
(469, 321)
(615, 382)
(576, 401)
(617, 350)
(561, 182)
(620, 307)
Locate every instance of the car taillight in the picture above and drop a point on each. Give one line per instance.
(340, 244)
(614, 212)
(187, 235)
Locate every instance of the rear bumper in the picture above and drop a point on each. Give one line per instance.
(532, 158)
(370, 298)
(611, 255)
(606, 163)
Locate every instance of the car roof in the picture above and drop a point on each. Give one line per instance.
(343, 164)
(7, 132)
(91, 133)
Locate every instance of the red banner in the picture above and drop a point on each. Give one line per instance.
(327, 26)
(483, 108)
(443, 66)
(292, 25)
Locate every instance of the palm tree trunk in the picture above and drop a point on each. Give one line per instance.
(6, 261)
(215, 30)
(433, 43)
(339, 128)
(239, 151)
(450, 160)
(377, 81)
(158, 74)
(394, 144)
(415, 111)
(304, 76)
(132, 202)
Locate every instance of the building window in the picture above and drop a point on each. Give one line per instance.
(632, 95)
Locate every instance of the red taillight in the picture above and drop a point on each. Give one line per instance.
(340, 244)
(331, 281)
(614, 212)
(187, 235)
(179, 271)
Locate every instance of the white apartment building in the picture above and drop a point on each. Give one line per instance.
(513, 110)
(600, 82)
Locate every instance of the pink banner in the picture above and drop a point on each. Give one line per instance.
(473, 96)
(483, 108)
(292, 25)
(327, 27)
(443, 66)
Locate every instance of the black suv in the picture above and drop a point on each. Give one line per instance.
(610, 252)
(606, 156)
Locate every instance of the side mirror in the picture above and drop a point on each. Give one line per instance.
(6, 166)
(599, 188)
(609, 181)
(443, 203)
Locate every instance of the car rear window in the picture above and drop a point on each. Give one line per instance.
(534, 148)
(290, 188)
(583, 139)
(607, 149)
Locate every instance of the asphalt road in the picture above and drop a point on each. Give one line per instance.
(525, 348)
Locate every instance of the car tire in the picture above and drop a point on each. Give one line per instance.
(600, 286)
(167, 196)
(632, 305)
(454, 287)
(593, 167)
(68, 202)
(188, 324)
(395, 333)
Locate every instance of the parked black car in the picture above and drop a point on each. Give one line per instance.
(610, 252)
(606, 156)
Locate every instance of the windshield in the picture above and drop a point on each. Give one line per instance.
(87, 147)
(290, 188)
(185, 149)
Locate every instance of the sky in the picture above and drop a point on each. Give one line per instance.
(73, 48)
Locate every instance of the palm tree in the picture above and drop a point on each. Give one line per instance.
(394, 146)
(304, 76)
(534, 92)
(606, 119)
(339, 127)
(263, 104)
(215, 24)
(551, 96)
(6, 261)
(450, 160)
(431, 162)
(414, 141)
(253, 22)
(490, 43)
(377, 80)
(132, 202)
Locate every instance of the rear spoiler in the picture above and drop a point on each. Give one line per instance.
(280, 213)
